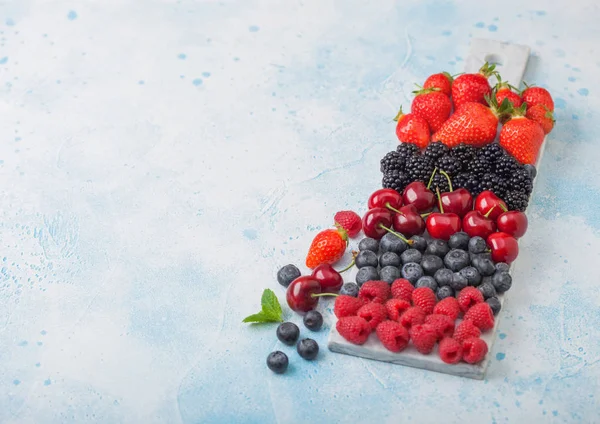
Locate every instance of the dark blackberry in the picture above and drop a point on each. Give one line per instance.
(393, 161)
(464, 153)
(419, 168)
(492, 152)
(505, 166)
(516, 200)
(520, 180)
(440, 182)
(449, 164)
(435, 150)
(460, 180)
(396, 180)
(491, 181)
(408, 149)
(478, 166)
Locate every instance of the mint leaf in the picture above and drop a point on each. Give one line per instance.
(260, 317)
(271, 309)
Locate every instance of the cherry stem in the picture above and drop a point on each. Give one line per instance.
(448, 178)
(437, 190)
(431, 178)
(350, 265)
(487, 214)
(323, 294)
(400, 236)
(504, 208)
(423, 215)
(387, 205)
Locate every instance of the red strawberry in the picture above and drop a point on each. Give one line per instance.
(473, 87)
(433, 106)
(537, 96)
(448, 306)
(374, 313)
(349, 221)
(481, 315)
(522, 137)
(450, 351)
(424, 298)
(392, 336)
(423, 337)
(466, 329)
(474, 350)
(443, 324)
(505, 91)
(327, 247)
(354, 329)
(346, 305)
(412, 316)
(412, 128)
(402, 289)
(442, 81)
(543, 116)
(468, 297)
(374, 291)
(396, 307)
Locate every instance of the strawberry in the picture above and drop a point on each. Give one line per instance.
(542, 115)
(522, 137)
(412, 128)
(349, 221)
(505, 91)
(327, 247)
(473, 87)
(442, 81)
(537, 96)
(433, 106)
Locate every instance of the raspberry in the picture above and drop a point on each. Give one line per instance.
(423, 337)
(374, 291)
(474, 350)
(465, 330)
(412, 316)
(449, 307)
(468, 297)
(393, 336)
(450, 350)
(373, 313)
(349, 221)
(396, 307)
(402, 289)
(424, 298)
(346, 306)
(443, 324)
(481, 315)
(354, 329)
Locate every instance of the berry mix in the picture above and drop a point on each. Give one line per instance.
(439, 237)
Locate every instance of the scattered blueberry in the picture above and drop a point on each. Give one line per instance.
(369, 244)
(365, 274)
(411, 255)
(389, 274)
(444, 292)
(391, 243)
(287, 274)
(288, 333)
(472, 275)
(277, 362)
(477, 245)
(419, 243)
(412, 272)
(308, 349)
(456, 259)
(459, 240)
(487, 290)
(502, 281)
(502, 267)
(313, 320)
(494, 304)
(458, 282)
(389, 259)
(484, 266)
(437, 247)
(443, 277)
(431, 263)
(349, 289)
(366, 258)
(427, 281)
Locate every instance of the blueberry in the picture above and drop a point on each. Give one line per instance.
(459, 240)
(443, 277)
(484, 255)
(456, 259)
(287, 274)
(288, 333)
(487, 290)
(530, 170)
(389, 274)
(412, 272)
(477, 245)
(444, 292)
(391, 243)
(431, 263)
(472, 275)
(313, 320)
(277, 362)
(484, 266)
(411, 255)
(502, 267)
(365, 274)
(458, 282)
(501, 281)
(389, 259)
(369, 244)
(366, 258)
(494, 304)
(437, 247)
(419, 243)
(427, 281)
(308, 349)
(349, 289)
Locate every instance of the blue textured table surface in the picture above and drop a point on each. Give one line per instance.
(160, 161)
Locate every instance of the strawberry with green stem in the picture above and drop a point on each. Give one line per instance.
(411, 128)
(433, 106)
(522, 137)
(442, 81)
(473, 87)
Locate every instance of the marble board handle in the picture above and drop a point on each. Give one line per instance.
(510, 59)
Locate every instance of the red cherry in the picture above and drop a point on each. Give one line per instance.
(443, 225)
(488, 204)
(513, 223)
(416, 193)
(374, 219)
(385, 198)
(300, 293)
(504, 247)
(457, 201)
(408, 221)
(475, 224)
(330, 280)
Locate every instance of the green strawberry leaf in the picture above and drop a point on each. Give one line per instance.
(271, 309)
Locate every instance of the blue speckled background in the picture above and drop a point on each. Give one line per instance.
(160, 160)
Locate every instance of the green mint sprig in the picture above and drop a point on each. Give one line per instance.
(271, 309)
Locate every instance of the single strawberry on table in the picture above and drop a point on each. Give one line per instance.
(504, 90)
(327, 247)
(473, 87)
(442, 81)
(413, 129)
(543, 116)
(537, 96)
(349, 221)
(522, 137)
(433, 106)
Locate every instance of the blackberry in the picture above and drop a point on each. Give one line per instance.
(464, 153)
(490, 181)
(479, 165)
(505, 166)
(393, 161)
(492, 152)
(435, 150)
(461, 180)
(449, 164)
(408, 149)
(472, 184)
(520, 180)
(419, 168)
(516, 200)
(440, 182)
(396, 180)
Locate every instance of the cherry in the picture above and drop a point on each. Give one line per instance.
(488, 202)
(457, 201)
(330, 280)
(385, 198)
(513, 223)
(377, 222)
(408, 221)
(504, 247)
(419, 195)
(441, 225)
(476, 224)
(300, 293)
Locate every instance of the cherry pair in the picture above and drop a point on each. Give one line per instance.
(490, 214)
